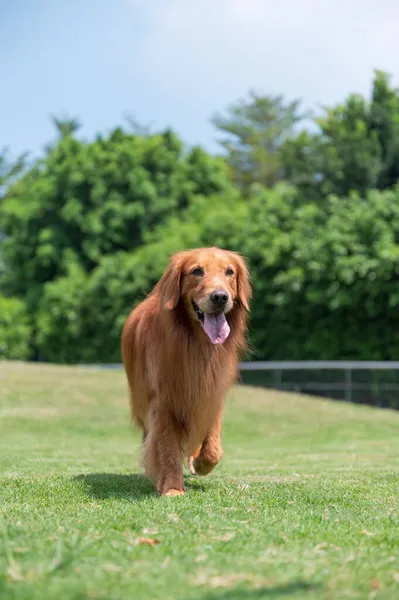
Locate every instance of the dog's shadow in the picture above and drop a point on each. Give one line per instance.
(104, 486)
(133, 487)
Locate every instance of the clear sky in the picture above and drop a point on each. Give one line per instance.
(176, 62)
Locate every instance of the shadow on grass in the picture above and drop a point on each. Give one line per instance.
(113, 485)
(129, 487)
(295, 588)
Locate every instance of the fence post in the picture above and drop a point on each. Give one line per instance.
(277, 378)
(348, 385)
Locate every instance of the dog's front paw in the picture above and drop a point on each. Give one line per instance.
(171, 486)
(173, 492)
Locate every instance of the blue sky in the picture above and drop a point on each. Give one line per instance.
(176, 62)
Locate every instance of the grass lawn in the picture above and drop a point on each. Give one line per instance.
(305, 503)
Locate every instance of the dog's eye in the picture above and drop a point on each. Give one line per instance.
(229, 272)
(198, 272)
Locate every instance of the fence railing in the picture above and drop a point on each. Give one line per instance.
(351, 378)
(369, 387)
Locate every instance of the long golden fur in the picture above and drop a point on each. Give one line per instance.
(180, 349)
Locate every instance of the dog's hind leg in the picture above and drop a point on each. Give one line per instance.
(191, 459)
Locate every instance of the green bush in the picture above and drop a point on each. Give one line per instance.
(15, 330)
(61, 320)
(325, 278)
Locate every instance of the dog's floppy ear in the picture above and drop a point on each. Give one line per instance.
(169, 285)
(244, 290)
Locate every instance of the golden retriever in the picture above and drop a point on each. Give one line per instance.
(180, 349)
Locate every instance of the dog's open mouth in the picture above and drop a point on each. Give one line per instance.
(215, 325)
(198, 312)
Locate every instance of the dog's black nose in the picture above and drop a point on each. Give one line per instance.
(219, 297)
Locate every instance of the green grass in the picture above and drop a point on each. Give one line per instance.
(305, 503)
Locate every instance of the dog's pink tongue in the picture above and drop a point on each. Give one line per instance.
(216, 327)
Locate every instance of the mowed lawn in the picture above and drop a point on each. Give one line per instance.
(305, 503)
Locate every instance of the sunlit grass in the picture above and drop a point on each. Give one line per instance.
(305, 503)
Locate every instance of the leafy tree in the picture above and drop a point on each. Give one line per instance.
(355, 146)
(66, 127)
(86, 231)
(90, 312)
(61, 324)
(327, 278)
(256, 130)
(15, 331)
(10, 169)
(83, 201)
(351, 154)
(384, 123)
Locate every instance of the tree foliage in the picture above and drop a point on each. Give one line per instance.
(327, 279)
(356, 146)
(83, 201)
(351, 146)
(255, 131)
(86, 231)
(15, 329)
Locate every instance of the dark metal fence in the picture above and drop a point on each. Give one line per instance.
(364, 382)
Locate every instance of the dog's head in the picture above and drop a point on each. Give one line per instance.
(209, 283)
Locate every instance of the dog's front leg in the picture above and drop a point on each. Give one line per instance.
(167, 438)
(205, 458)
